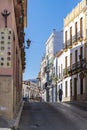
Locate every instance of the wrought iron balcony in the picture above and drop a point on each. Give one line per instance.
(77, 67)
(77, 37)
(80, 35)
(47, 69)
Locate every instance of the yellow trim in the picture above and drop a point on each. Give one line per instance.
(65, 50)
(70, 46)
(81, 39)
(75, 43)
(75, 12)
(25, 12)
(85, 44)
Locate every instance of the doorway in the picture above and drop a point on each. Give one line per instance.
(75, 88)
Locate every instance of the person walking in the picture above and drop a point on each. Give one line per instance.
(60, 94)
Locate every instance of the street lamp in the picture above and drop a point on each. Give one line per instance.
(28, 44)
(27, 41)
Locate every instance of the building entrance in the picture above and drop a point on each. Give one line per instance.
(75, 88)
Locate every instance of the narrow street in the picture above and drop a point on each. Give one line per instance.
(57, 116)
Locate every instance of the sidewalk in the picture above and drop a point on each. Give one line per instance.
(76, 108)
(11, 125)
(4, 124)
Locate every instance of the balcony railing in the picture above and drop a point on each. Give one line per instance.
(75, 39)
(48, 67)
(77, 67)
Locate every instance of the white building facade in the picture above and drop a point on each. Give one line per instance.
(75, 53)
(60, 66)
(67, 70)
(30, 91)
(43, 77)
(53, 44)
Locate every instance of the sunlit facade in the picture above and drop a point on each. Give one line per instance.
(53, 44)
(12, 55)
(75, 53)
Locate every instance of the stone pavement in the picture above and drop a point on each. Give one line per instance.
(13, 124)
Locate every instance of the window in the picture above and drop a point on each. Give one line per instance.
(66, 39)
(70, 35)
(81, 27)
(76, 31)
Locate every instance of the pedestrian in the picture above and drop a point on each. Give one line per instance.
(60, 94)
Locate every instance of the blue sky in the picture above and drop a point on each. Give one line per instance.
(42, 17)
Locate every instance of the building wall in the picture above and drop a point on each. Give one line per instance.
(43, 77)
(53, 44)
(11, 70)
(73, 75)
(60, 66)
(78, 13)
(6, 96)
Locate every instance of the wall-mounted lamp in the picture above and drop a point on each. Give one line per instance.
(28, 44)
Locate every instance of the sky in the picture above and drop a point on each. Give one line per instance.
(42, 17)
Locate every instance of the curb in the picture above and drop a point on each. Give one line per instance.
(15, 126)
(5, 128)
